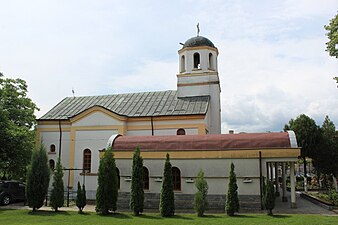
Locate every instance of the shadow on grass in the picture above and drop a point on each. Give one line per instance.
(48, 213)
(181, 217)
(243, 216)
(280, 216)
(145, 216)
(117, 215)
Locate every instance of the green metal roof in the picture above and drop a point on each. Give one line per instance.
(198, 41)
(162, 103)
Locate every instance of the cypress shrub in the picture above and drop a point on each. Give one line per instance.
(167, 201)
(81, 200)
(200, 201)
(232, 203)
(107, 190)
(37, 178)
(57, 194)
(137, 184)
(269, 197)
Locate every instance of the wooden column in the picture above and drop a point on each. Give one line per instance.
(284, 198)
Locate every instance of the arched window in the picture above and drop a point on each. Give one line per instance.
(146, 178)
(87, 160)
(52, 148)
(118, 178)
(180, 131)
(211, 61)
(182, 64)
(197, 61)
(52, 164)
(176, 178)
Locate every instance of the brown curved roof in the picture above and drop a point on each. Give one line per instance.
(203, 142)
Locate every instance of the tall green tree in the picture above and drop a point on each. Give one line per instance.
(37, 178)
(269, 197)
(137, 184)
(167, 201)
(332, 34)
(107, 190)
(200, 200)
(17, 139)
(326, 159)
(57, 193)
(308, 136)
(81, 199)
(232, 202)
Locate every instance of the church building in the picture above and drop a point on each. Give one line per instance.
(186, 123)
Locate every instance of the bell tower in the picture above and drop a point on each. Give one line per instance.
(198, 76)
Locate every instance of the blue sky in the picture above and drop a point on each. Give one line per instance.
(272, 62)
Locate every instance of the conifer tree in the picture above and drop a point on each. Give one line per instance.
(137, 184)
(57, 193)
(107, 190)
(167, 201)
(81, 200)
(200, 201)
(232, 203)
(37, 178)
(269, 197)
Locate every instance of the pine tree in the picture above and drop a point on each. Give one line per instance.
(200, 201)
(167, 201)
(57, 193)
(137, 184)
(107, 190)
(232, 203)
(269, 197)
(37, 178)
(81, 200)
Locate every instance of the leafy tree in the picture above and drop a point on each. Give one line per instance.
(57, 193)
(327, 157)
(232, 202)
(308, 136)
(269, 197)
(37, 178)
(107, 190)
(332, 34)
(167, 201)
(137, 184)
(200, 201)
(81, 199)
(17, 139)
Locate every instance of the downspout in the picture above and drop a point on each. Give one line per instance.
(152, 126)
(60, 139)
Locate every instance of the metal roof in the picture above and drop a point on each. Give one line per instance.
(204, 142)
(162, 103)
(198, 41)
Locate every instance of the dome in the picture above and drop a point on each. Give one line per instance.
(198, 41)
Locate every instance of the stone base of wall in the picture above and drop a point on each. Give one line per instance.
(185, 201)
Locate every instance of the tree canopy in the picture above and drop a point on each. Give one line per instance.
(17, 139)
(332, 34)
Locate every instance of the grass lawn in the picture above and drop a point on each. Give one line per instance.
(8, 216)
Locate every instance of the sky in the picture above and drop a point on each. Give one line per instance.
(272, 61)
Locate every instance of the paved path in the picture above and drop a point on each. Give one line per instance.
(303, 207)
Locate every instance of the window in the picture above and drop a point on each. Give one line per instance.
(145, 178)
(176, 178)
(87, 160)
(183, 63)
(52, 148)
(197, 62)
(51, 164)
(211, 61)
(180, 131)
(118, 178)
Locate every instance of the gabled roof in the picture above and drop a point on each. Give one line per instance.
(204, 142)
(162, 103)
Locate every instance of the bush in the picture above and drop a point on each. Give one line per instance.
(269, 197)
(81, 199)
(167, 201)
(107, 190)
(57, 194)
(37, 178)
(200, 201)
(137, 184)
(232, 202)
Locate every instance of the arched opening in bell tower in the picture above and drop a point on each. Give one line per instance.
(197, 61)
